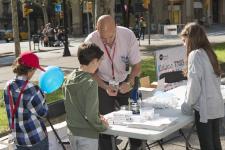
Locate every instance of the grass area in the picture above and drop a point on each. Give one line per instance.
(3, 120)
(57, 95)
(1, 98)
(3, 116)
(148, 69)
(220, 51)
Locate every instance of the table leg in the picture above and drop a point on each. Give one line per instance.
(160, 142)
(143, 144)
(188, 145)
(113, 142)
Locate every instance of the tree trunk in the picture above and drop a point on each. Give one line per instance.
(123, 12)
(105, 7)
(112, 8)
(76, 19)
(45, 14)
(15, 27)
(94, 13)
(43, 4)
(128, 14)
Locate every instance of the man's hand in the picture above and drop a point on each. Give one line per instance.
(111, 91)
(125, 87)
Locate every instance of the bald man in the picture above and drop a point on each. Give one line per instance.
(121, 51)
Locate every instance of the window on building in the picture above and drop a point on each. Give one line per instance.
(174, 14)
(139, 7)
(118, 8)
(6, 10)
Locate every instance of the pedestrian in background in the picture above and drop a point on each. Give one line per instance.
(136, 28)
(142, 27)
(82, 102)
(203, 93)
(25, 105)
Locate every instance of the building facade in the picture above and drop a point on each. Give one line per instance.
(159, 13)
(5, 14)
(180, 12)
(207, 12)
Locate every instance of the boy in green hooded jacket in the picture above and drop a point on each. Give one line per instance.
(81, 101)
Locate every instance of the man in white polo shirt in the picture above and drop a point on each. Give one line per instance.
(121, 50)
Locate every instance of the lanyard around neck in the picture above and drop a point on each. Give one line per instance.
(13, 108)
(111, 59)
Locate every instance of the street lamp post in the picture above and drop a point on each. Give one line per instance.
(149, 25)
(15, 27)
(66, 43)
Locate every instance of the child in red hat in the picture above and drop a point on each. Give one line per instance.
(25, 105)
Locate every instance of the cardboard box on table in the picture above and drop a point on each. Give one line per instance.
(147, 88)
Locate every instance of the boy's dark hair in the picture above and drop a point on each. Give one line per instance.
(20, 69)
(87, 52)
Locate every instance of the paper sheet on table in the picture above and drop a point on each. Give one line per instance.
(179, 92)
(161, 100)
(155, 124)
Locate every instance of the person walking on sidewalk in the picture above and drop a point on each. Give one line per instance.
(25, 105)
(82, 102)
(142, 26)
(121, 50)
(136, 28)
(203, 93)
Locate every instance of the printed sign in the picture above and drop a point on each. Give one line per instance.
(170, 29)
(169, 65)
(58, 7)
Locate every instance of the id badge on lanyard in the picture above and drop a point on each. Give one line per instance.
(13, 108)
(111, 59)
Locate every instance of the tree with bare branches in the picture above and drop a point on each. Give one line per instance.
(43, 5)
(15, 27)
(105, 7)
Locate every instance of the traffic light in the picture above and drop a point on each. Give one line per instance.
(146, 3)
(56, 1)
(27, 9)
(89, 7)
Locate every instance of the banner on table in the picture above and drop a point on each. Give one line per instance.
(170, 62)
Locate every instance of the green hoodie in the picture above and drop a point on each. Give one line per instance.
(82, 105)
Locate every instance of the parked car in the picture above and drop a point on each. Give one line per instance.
(8, 36)
(23, 35)
(2, 34)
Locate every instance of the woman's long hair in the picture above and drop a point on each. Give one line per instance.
(196, 38)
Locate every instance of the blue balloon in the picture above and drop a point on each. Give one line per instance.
(51, 79)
